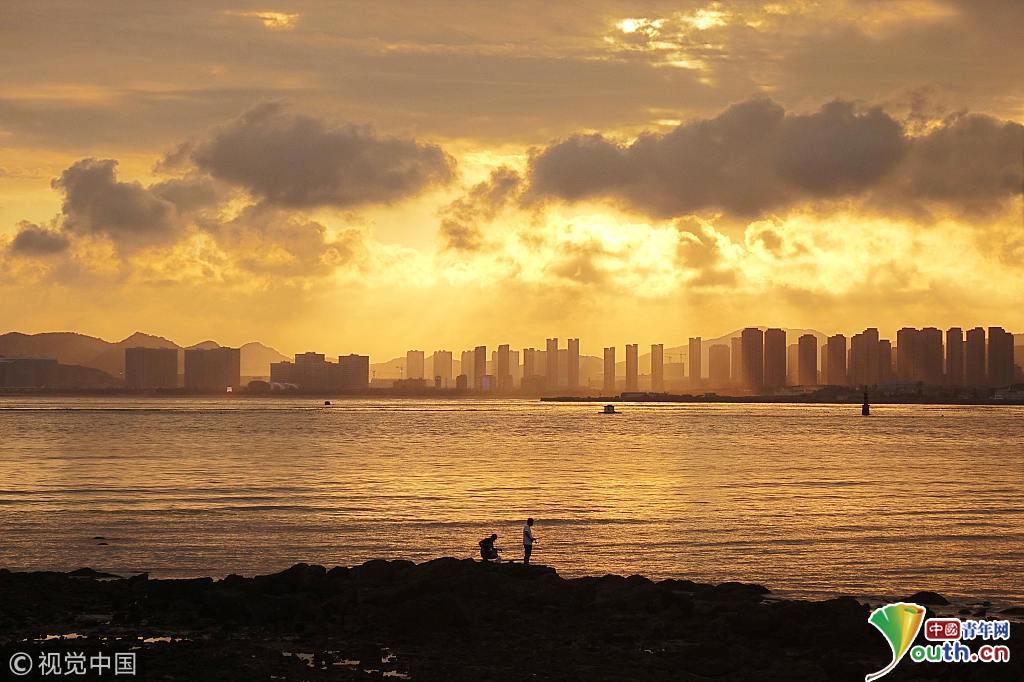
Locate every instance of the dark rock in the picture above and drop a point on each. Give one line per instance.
(91, 573)
(927, 599)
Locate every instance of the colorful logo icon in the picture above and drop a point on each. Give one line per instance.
(899, 623)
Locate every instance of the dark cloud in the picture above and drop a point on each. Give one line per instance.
(301, 162)
(750, 158)
(462, 218)
(33, 240)
(971, 161)
(189, 194)
(754, 157)
(96, 202)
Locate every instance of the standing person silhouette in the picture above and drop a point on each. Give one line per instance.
(528, 540)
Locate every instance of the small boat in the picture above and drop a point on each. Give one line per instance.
(327, 403)
(865, 409)
(610, 409)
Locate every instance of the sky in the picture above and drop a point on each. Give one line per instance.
(371, 177)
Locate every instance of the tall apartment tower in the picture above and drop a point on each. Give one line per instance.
(632, 368)
(414, 364)
(907, 362)
(443, 367)
(836, 354)
(354, 371)
(930, 356)
(774, 358)
(573, 360)
(479, 367)
(718, 365)
(884, 360)
(531, 364)
(1000, 357)
(974, 358)
(551, 361)
(694, 361)
(807, 360)
(736, 361)
(752, 349)
(503, 368)
(864, 363)
(466, 362)
(213, 369)
(151, 367)
(609, 369)
(954, 356)
(658, 367)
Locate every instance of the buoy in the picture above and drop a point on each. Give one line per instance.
(865, 409)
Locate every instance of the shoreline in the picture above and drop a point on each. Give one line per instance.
(457, 619)
(455, 395)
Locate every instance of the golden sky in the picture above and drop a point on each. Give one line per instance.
(371, 177)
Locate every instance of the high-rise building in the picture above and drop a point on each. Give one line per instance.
(213, 369)
(885, 372)
(466, 368)
(736, 361)
(1000, 357)
(931, 359)
(503, 368)
(479, 367)
(573, 363)
(353, 371)
(774, 358)
(29, 372)
(907, 361)
(807, 359)
(954, 356)
(609, 369)
(442, 362)
(836, 352)
(657, 367)
(147, 368)
(632, 367)
(531, 363)
(974, 358)
(823, 371)
(752, 345)
(311, 371)
(718, 365)
(693, 357)
(414, 364)
(551, 361)
(863, 368)
(282, 372)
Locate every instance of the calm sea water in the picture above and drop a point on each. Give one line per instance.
(807, 499)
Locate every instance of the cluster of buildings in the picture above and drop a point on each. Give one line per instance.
(757, 361)
(313, 371)
(206, 369)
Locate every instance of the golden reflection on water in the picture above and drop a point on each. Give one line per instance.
(808, 499)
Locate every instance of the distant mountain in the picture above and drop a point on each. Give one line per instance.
(90, 352)
(68, 347)
(204, 345)
(256, 359)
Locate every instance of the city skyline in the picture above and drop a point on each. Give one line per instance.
(454, 175)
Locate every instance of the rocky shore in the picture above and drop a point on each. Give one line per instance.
(452, 620)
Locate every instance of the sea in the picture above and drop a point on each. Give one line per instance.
(809, 500)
